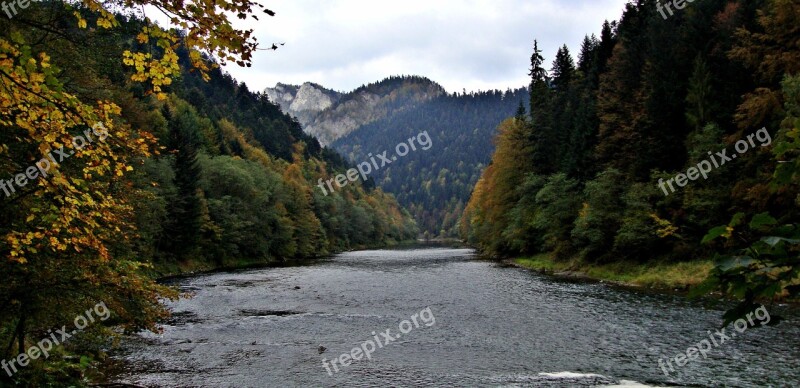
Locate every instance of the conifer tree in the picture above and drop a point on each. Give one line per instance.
(563, 69)
(185, 213)
(541, 134)
(539, 86)
(698, 100)
(588, 54)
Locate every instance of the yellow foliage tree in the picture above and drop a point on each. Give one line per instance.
(66, 205)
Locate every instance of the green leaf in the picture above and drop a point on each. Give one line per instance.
(785, 173)
(736, 262)
(760, 220)
(775, 240)
(51, 80)
(17, 37)
(714, 234)
(770, 290)
(737, 219)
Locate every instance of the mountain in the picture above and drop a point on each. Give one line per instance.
(303, 102)
(435, 184)
(329, 115)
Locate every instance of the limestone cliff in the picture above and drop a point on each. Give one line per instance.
(328, 115)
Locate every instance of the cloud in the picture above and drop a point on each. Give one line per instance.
(464, 44)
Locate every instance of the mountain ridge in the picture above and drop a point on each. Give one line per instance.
(329, 115)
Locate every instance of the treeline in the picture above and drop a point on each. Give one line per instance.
(435, 185)
(578, 174)
(194, 174)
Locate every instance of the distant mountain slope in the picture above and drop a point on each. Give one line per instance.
(435, 185)
(329, 115)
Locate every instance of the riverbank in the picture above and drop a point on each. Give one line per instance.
(666, 276)
(173, 269)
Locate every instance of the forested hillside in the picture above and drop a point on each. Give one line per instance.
(610, 165)
(166, 164)
(435, 184)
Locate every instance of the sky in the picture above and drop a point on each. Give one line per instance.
(461, 44)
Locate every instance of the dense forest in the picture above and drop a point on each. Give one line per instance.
(166, 165)
(583, 173)
(435, 185)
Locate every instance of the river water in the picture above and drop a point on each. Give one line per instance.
(488, 325)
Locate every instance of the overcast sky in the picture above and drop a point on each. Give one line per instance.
(462, 44)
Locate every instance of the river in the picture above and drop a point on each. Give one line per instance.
(489, 325)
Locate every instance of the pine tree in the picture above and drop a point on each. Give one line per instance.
(605, 48)
(539, 85)
(521, 113)
(562, 108)
(563, 69)
(626, 140)
(698, 100)
(185, 222)
(541, 135)
(588, 55)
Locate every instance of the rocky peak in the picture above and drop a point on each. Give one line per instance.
(329, 115)
(304, 100)
(310, 97)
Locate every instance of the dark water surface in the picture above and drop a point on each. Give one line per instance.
(495, 326)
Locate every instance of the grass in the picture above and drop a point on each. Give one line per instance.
(650, 275)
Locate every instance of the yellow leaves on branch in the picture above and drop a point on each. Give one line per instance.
(208, 36)
(149, 67)
(81, 20)
(68, 215)
(159, 72)
(665, 228)
(105, 19)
